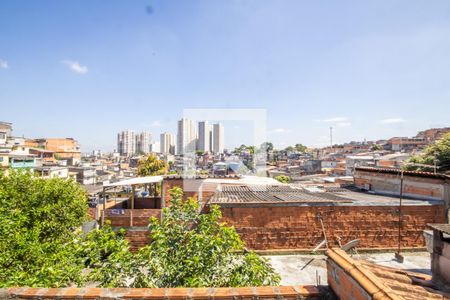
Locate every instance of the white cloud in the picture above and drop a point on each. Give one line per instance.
(3, 64)
(335, 120)
(155, 124)
(392, 121)
(76, 66)
(343, 124)
(279, 130)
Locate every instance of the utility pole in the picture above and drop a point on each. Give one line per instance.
(398, 256)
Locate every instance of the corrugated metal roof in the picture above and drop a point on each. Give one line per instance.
(398, 171)
(445, 228)
(271, 194)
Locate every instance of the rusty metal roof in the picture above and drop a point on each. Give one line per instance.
(445, 228)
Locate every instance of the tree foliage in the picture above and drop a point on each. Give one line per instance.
(188, 249)
(289, 149)
(41, 244)
(267, 146)
(300, 148)
(106, 255)
(283, 178)
(191, 249)
(152, 165)
(376, 147)
(38, 219)
(438, 152)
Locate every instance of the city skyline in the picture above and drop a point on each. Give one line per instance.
(364, 69)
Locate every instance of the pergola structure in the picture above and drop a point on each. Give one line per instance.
(133, 182)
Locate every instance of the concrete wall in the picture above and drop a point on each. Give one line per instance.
(298, 227)
(440, 258)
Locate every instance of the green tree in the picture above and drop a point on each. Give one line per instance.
(289, 149)
(41, 244)
(152, 165)
(437, 153)
(38, 220)
(199, 152)
(283, 178)
(190, 249)
(106, 254)
(267, 146)
(251, 149)
(300, 147)
(376, 147)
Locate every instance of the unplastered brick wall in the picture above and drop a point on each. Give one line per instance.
(299, 227)
(131, 217)
(414, 186)
(343, 284)
(269, 292)
(137, 239)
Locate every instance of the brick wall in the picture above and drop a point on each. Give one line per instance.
(131, 217)
(343, 284)
(92, 212)
(137, 239)
(278, 292)
(415, 186)
(298, 227)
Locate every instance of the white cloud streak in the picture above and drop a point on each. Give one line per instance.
(279, 130)
(75, 66)
(335, 120)
(393, 121)
(343, 124)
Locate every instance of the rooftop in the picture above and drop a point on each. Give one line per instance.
(398, 171)
(290, 195)
(392, 283)
(444, 228)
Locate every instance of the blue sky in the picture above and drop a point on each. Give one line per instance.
(87, 69)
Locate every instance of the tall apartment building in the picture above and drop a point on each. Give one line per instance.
(186, 136)
(167, 142)
(218, 138)
(126, 142)
(143, 142)
(155, 147)
(205, 137)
